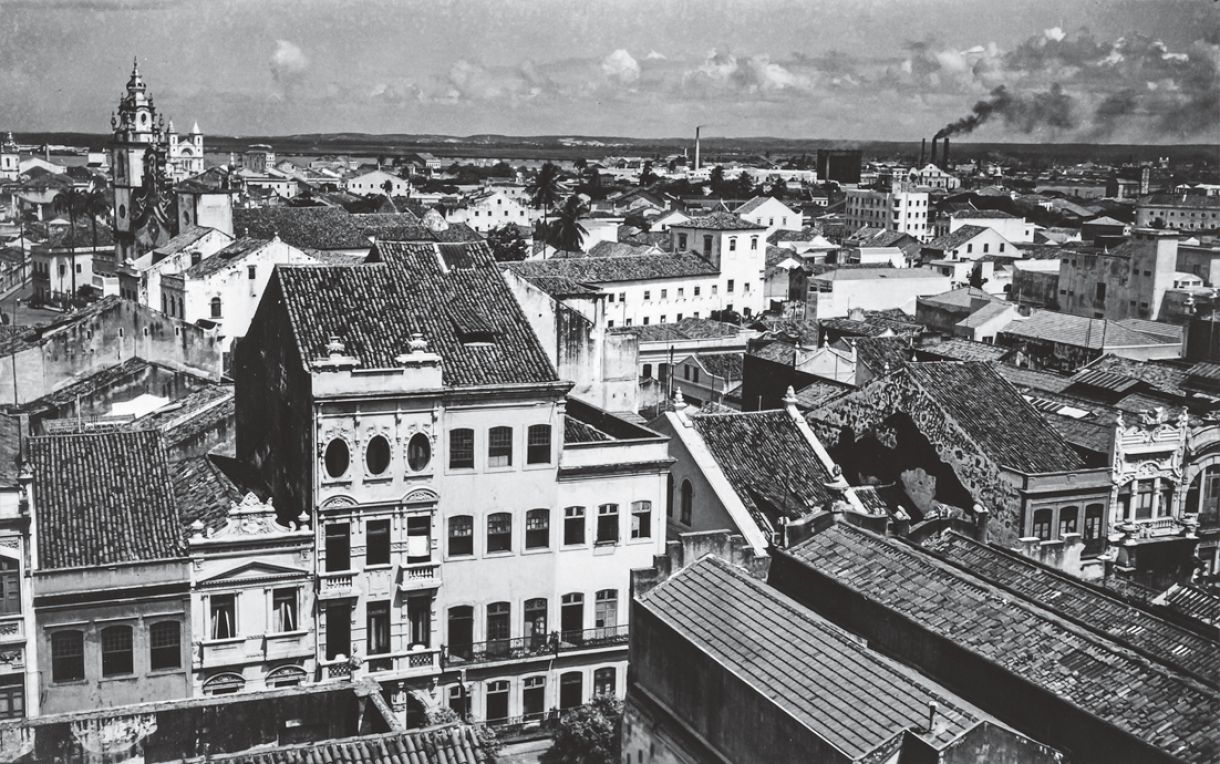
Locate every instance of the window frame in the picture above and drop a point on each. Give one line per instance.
(231, 599)
(534, 444)
(570, 516)
(686, 502)
(641, 519)
(538, 537)
(500, 447)
(503, 537)
(604, 514)
(163, 649)
(450, 526)
(385, 547)
(59, 656)
(456, 436)
(291, 595)
(124, 653)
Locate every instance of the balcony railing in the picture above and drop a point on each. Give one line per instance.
(527, 727)
(519, 648)
(420, 575)
(336, 585)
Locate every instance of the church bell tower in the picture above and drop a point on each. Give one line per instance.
(136, 128)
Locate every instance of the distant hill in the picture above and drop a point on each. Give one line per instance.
(570, 146)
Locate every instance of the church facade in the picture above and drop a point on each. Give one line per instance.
(146, 159)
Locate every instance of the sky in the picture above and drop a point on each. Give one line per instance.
(1029, 70)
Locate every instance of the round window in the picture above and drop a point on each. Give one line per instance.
(122, 210)
(377, 456)
(337, 457)
(419, 452)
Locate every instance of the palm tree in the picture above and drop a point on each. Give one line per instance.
(71, 200)
(568, 234)
(544, 189)
(97, 205)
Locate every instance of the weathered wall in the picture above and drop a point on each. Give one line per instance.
(866, 411)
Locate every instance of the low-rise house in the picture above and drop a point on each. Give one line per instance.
(839, 291)
(64, 264)
(881, 247)
(714, 378)
(1064, 342)
(492, 208)
(1012, 228)
(771, 213)
(375, 182)
(140, 279)
(933, 177)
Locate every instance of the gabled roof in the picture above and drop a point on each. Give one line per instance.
(1192, 201)
(957, 238)
(1090, 606)
(1078, 331)
(203, 492)
(311, 227)
(755, 203)
(185, 239)
(1166, 708)
(450, 293)
(813, 672)
(620, 249)
(599, 270)
(772, 468)
(235, 252)
(726, 366)
(686, 329)
(984, 215)
(957, 349)
(103, 499)
(995, 416)
(719, 221)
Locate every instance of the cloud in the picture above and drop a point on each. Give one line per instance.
(726, 72)
(620, 68)
(288, 65)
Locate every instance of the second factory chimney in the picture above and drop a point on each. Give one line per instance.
(923, 150)
(944, 157)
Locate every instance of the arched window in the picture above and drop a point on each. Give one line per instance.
(461, 449)
(216, 307)
(499, 627)
(536, 622)
(537, 529)
(116, 651)
(1069, 518)
(571, 690)
(67, 656)
(1093, 522)
(165, 645)
(647, 372)
(538, 444)
(461, 536)
(500, 532)
(500, 447)
(688, 501)
(732, 243)
(1042, 524)
(604, 681)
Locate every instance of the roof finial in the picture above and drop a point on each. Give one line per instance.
(679, 401)
(789, 398)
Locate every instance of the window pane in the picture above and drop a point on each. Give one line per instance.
(224, 614)
(539, 450)
(67, 656)
(165, 645)
(461, 535)
(574, 525)
(284, 609)
(537, 529)
(461, 449)
(603, 681)
(377, 543)
(499, 532)
(500, 447)
(607, 524)
(378, 614)
(641, 520)
(116, 650)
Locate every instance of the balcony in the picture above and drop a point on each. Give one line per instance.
(419, 576)
(522, 648)
(392, 665)
(338, 585)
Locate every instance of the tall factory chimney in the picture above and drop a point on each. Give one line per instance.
(932, 159)
(944, 156)
(697, 129)
(923, 150)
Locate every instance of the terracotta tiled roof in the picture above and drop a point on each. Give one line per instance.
(686, 329)
(723, 365)
(1078, 331)
(203, 492)
(963, 350)
(235, 252)
(812, 671)
(103, 499)
(1087, 605)
(955, 239)
(599, 270)
(312, 227)
(453, 294)
(452, 745)
(719, 221)
(995, 416)
(767, 460)
(1166, 708)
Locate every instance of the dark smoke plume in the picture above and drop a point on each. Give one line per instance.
(1024, 111)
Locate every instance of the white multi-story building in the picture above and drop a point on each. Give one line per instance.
(225, 287)
(1013, 228)
(374, 182)
(902, 207)
(475, 527)
(736, 248)
(1183, 212)
(490, 209)
(932, 176)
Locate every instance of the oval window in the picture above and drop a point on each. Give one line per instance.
(377, 456)
(419, 452)
(122, 210)
(337, 457)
